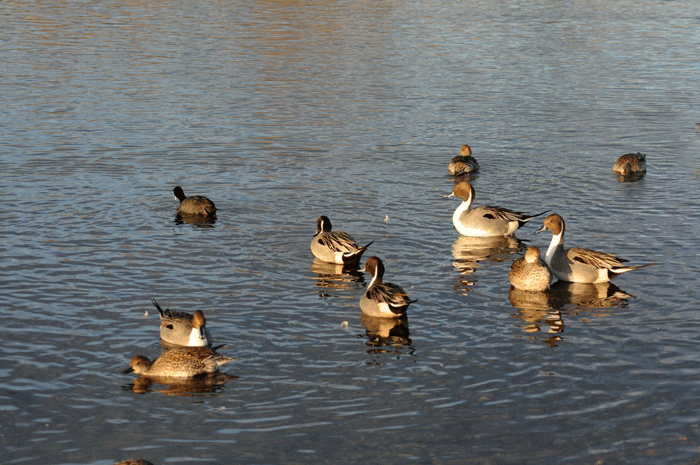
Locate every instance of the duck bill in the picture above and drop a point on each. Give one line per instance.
(128, 370)
(542, 229)
(451, 194)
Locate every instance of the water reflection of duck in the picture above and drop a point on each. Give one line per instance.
(331, 276)
(383, 331)
(196, 220)
(534, 309)
(586, 295)
(210, 382)
(469, 250)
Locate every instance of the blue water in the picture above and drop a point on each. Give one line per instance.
(284, 111)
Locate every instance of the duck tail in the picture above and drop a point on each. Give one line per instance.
(160, 310)
(624, 269)
(539, 214)
(356, 255)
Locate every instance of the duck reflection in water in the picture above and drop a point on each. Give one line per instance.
(538, 308)
(196, 220)
(469, 251)
(587, 295)
(535, 311)
(185, 370)
(387, 335)
(334, 277)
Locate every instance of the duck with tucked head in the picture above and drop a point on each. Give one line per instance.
(383, 299)
(631, 164)
(463, 163)
(484, 221)
(335, 246)
(183, 329)
(196, 205)
(578, 265)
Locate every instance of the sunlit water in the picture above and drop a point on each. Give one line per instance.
(284, 111)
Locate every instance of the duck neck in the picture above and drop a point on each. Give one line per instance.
(463, 207)
(375, 280)
(556, 244)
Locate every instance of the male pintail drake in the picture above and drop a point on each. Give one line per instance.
(183, 329)
(382, 299)
(183, 362)
(631, 164)
(578, 265)
(463, 163)
(529, 273)
(195, 205)
(484, 221)
(335, 246)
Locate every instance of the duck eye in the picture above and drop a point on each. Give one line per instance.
(169, 326)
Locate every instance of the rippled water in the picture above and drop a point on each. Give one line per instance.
(283, 111)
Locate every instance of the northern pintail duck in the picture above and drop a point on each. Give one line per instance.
(631, 163)
(183, 362)
(183, 329)
(194, 205)
(335, 246)
(382, 299)
(529, 273)
(578, 265)
(463, 163)
(484, 221)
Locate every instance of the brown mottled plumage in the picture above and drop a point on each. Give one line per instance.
(529, 273)
(631, 164)
(185, 362)
(463, 163)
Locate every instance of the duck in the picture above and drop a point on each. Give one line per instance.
(484, 221)
(530, 273)
(183, 362)
(335, 246)
(183, 329)
(381, 299)
(631, 164)
(463, 163)
(578, 265)
(195, 205)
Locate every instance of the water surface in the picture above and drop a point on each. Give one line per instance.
(284, 111)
